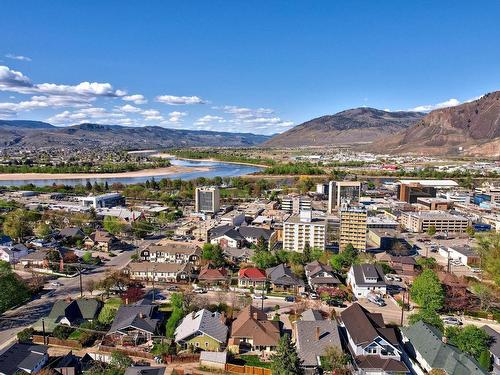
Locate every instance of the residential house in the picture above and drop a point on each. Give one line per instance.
(99, 239)
(71, 313)
(253, 234)
(403, 265)
(366, 279)
(162, 272)
(313, 338)
(71, 234)
(23, 358)
(283, 279)
(494, 348)
(135, 324)
(13, 253)
(37, 259)
(168, 251)
(239, 255)
(373, 346)
(320, 275)
(426, 350)
(5, 240)
(203, 329)
(311, 315)
(251, 331)
(252, 277)
(213, 276)
(226, 236)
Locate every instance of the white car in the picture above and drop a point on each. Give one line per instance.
(313, 295)
(199, 291)
(451, 321)
(389, 278)
(55, 283)
(259, 296)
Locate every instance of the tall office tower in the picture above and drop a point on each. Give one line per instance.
(301, 229)
(339, 191)
(295, 203)
(207, 199)
(353, 224)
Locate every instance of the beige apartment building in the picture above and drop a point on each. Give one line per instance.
(301, 229)
(419, 222)
(353, 226)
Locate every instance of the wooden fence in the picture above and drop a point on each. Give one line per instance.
(181, 358)
(248, 370)
(73, 344)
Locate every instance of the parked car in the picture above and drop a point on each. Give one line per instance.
(313, 295)
(289, 299)
(199, 291)
(335, 302)
(376, 299)
(476, 270)
(172, 288)
(389, 278)
(259, 296)
(304, 294)
(55, 283)
(451, 321)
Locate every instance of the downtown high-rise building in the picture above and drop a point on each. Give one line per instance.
(207, 199)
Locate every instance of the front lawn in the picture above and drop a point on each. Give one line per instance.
(254, 360)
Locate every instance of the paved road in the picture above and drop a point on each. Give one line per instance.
(13, 321)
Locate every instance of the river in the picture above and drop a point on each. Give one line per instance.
(220, 169)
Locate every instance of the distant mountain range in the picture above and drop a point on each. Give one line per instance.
(471, 128)
(41, 135)
(359, 125)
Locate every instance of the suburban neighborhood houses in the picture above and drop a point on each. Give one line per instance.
(284, 275)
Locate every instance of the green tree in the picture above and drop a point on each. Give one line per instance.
(427, 263)
(485, 360)
(177, 303)
(213, 253)
(264, 259)
(427, 291)
(261, 244)
(120, 360)
(107, 314)
(14, 289)
(286, 361)
(427, 316)
(113, 225)
(470, 231)
(345, 259)
(307, 252)
(489, 251)
(470, 339)
(42, 230)
(62, 332)
(335, 360)
(485, 294)
(431, 231)
(17, 224)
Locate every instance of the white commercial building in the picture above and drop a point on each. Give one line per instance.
(301, 229)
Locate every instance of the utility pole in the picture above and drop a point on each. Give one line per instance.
(154, 284)
(403, 308)
(80, 275)
(43, 330)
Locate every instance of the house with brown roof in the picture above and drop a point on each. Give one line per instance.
(161, 272)
(252, 331)
(320, 275)
(99, 239)
(252, 277)
(213, 276)
(375, 348)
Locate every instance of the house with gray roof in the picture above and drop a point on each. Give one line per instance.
(320, 275)
(135, 323)
(365, 279)
(23, 358)
(494, 348)
(375, 348)
(311, 315)
(426, 350)
(282, 278)
(313, 338)
(202, 329)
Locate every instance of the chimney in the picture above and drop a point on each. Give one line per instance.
(317, 333)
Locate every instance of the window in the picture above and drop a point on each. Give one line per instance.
(197, 344)
(206, 344)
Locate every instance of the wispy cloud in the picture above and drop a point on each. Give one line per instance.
(179, 100)
(136, 99)
(17, 57)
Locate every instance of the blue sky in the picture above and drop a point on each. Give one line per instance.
(251, 66)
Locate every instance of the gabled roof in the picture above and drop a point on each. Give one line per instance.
(101, 236)
(234, 252)
(363, 271)
(252, 322)
(86, 309)
(495, 344)
(160, 267)
(202, 322)
(21, 357)
(428, 342)
(141, 317)
(315, 267)
(73, 232)
(374, 362)
(212, 274)
(252, 274)
(282, 275)
(255, 232)
(364, 327)
(314, 337)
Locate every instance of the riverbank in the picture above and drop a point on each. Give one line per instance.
(212, 160)
(151, 172)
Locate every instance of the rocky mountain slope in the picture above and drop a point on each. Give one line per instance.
(359, 125)
(39, 135)
(469, 129)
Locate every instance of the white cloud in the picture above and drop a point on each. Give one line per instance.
(179, 100)
(209, 119)
(176, 116)
(92, 114)
(152, 115)
(136, 98)
(429, 107)
(17, 57)
(129, 108)
(12, 79)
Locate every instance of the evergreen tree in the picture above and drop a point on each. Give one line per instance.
(307, 252)
(286, 361)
